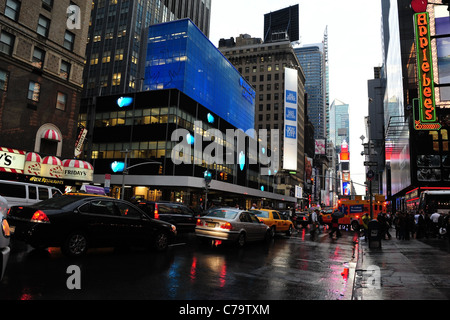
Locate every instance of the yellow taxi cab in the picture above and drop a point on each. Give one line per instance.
(274, 220)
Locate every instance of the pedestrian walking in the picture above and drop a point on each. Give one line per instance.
(421, 226)
(335, 216)
(365, 222)
(314, 223)
(384, 226)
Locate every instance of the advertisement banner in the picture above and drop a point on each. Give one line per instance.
(12, 160)
(290, 119)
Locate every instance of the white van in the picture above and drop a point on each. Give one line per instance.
(24, 193)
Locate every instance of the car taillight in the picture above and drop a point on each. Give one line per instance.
(5, 228)
(156, 212)
(199, 222)
(39, 216)
(226, 226)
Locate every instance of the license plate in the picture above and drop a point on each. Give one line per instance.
(211, 224)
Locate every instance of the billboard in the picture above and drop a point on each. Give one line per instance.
(320, 146)
(442, 33)
(290, 119)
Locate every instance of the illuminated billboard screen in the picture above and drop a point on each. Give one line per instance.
(290, 119)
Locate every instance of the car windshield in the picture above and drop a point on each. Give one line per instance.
(56, 203)
(261, 214)
(222, 213)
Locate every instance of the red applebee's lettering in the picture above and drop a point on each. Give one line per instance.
(427, 107)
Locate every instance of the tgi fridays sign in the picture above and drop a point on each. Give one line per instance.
(12, 160)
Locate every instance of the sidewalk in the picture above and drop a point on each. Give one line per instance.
(403, 270)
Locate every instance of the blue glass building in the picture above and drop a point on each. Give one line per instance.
(180, 56)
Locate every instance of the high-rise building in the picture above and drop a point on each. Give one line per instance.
(264, 66)
(42, 51)
(116, 49)
(312, 58)
(339, 124)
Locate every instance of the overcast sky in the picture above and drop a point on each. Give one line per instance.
(354, 37)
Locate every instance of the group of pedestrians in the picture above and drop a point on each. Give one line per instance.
(412, 225)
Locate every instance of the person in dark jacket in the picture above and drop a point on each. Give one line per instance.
(335, 216)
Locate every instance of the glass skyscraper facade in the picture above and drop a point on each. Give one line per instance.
(339, 124)
(180, 56)
(116, 41)
(312, 60)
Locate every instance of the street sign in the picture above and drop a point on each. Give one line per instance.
(370, 175)
(370, 163)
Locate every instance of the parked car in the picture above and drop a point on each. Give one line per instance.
(274, 221)
(78, 222)
(24, 193)
(232, 225)
(181, 216)
(4, 237)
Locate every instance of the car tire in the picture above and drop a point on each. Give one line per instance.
(75, 245)
(161, 241)
(289, 232)
(241, 240)
(273, 231)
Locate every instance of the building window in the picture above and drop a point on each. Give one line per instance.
(119, 55)
(34, 90)
(61, 101)
(43, 26)
(38, 58)
(106, 57)
(6, 43)
(47, 4)
(4, 77)
(69, 40)
(12, 9)
(64, 70)
(116, 79)
(94, 59)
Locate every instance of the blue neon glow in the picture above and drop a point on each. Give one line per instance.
(262, 188)
(210, 118)
(190, 139)
(124, 101)
(117, 166)
(241, 160)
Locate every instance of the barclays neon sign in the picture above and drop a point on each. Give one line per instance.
(247, 90)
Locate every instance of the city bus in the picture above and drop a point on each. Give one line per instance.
(354, 210)
(432, 201)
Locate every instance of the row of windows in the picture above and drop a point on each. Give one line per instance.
(34, 91)
(12, 11)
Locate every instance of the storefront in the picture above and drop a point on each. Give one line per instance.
(66, 175)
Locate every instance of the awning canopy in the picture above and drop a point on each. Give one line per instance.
(34, 157)
(51, 134)
(52, 161)
(74, 163)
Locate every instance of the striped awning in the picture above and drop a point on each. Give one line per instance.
(74, 163)
(33, 156)
(51, 134)
(52, 161)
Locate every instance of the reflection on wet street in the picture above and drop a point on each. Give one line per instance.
(286, 268)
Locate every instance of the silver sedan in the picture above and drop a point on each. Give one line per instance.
(232, 225)
(4, 236)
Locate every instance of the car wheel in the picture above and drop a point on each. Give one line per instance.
(75, 245)
(241, 239)
(272, 230)
(161, 241)
(289, 232)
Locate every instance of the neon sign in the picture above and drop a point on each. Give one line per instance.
(427, 108)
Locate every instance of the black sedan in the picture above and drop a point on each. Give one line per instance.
(178, 214)
(78, 222)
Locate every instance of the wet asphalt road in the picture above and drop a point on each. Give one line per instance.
(288, 268)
